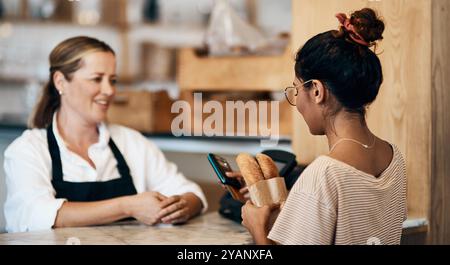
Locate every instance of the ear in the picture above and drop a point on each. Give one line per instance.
(319, 92)
(60, 81)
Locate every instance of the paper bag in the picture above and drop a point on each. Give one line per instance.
(268, 192)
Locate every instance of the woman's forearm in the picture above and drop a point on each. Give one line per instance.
(261, 238)
(195, 204)
(77, 214)
(260, 232)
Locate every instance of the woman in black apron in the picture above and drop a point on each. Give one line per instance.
(73, 104)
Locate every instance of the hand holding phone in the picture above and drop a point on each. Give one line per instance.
(221, 167)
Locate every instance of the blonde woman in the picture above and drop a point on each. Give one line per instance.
(74, 169)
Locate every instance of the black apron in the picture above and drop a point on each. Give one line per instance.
(89, 191)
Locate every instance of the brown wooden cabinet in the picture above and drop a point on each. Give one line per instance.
(412, 107)
(250, 73)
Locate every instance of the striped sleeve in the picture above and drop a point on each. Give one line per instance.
(304, 220)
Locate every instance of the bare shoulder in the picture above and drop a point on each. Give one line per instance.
(373, 161)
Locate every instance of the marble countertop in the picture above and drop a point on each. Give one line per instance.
(207, 229)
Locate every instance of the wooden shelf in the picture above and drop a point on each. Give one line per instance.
(255, 73)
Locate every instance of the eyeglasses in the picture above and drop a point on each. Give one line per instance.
(292, 92)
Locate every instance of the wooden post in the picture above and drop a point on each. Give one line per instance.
(252, 7)
(63, 11)
(440, 124)
(24, 9)
(114, 13)
(122, 24)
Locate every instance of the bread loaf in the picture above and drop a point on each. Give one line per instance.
(268, 167)
(249, 168)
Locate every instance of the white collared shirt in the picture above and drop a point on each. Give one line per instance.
(31, 204)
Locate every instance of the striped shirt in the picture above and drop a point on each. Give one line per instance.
(335, 203)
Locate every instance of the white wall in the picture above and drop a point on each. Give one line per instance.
(6, 137)
(27, 46)
(274, 16)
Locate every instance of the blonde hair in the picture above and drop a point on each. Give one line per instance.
(66, 58)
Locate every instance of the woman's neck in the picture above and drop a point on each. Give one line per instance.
(75, 131)
(348, 125)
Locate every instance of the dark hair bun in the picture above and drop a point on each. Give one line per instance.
(368, 24)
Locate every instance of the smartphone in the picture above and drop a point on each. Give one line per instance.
(221, 166)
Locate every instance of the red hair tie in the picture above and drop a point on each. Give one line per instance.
(345, 22)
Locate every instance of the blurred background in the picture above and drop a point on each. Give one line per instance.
(157, 45)
(167, 50)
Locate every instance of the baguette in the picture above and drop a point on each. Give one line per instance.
(249, 168)
(268, 167)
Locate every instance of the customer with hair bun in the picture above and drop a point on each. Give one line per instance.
(356, 194)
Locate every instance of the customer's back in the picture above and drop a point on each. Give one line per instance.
(356, 194)
(349, 206)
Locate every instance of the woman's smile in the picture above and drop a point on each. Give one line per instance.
(103, 104)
